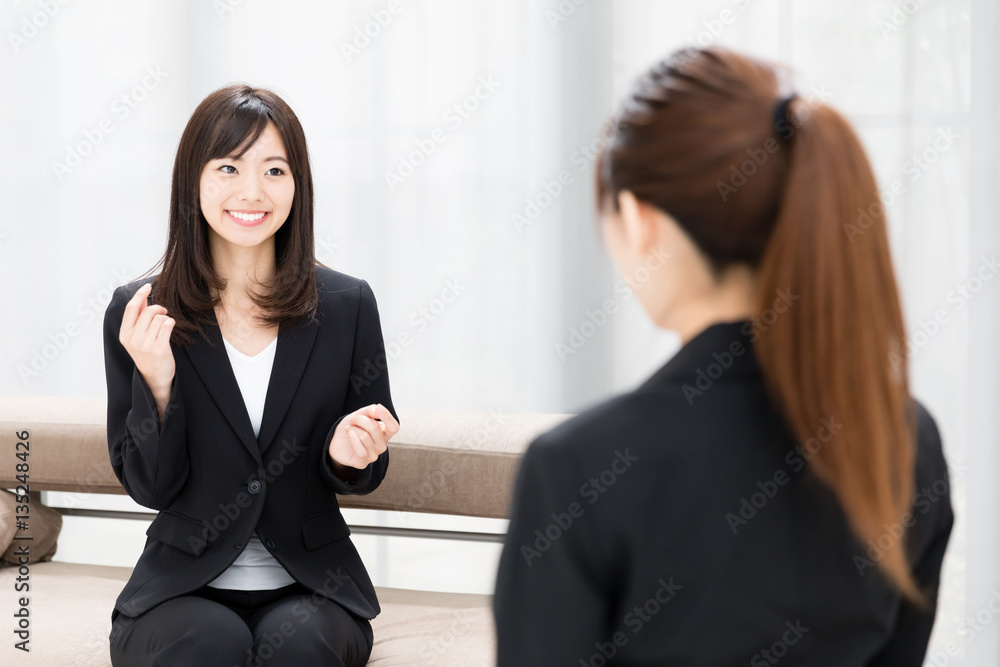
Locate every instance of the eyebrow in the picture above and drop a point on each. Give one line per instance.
(267, 159)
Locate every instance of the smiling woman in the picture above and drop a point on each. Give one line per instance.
(245, 535)
(242, 154)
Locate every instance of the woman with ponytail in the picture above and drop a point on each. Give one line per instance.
(773, 492)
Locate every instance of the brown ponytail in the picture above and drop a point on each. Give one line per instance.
(682, 142)
(830, 354)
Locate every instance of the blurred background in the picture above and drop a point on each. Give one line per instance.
(497, 216)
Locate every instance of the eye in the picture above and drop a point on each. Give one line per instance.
(228, 166)
(281, 172)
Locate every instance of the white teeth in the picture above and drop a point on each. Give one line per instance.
(246, 217)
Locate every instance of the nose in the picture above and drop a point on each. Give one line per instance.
(250, 189)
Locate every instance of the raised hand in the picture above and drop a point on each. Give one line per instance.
(362, 436)
(145, 334)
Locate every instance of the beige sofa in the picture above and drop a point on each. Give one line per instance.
(442, 462)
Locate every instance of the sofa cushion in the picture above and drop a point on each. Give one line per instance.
(40, 534)
(71, 607)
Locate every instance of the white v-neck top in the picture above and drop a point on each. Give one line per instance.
(255, 568)
(253, 375)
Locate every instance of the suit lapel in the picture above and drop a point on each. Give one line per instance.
(290, 358)
(216, 372)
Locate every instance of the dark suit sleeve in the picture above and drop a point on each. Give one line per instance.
(549, 606)
(149, 458)
(368, 384)
(908, 644)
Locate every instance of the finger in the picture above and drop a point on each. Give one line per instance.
(372, 429)
(135, 304)
(391, 424)
(360, 453)
(166, 327)
(371, 449)
(154, 328)
(380, 412)
(370, 411)
(144, 323)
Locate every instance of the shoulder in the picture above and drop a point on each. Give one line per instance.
(616, 428)
(130, 288)
(615, 419)
(331, 281)
(336, 288)
(123, 294)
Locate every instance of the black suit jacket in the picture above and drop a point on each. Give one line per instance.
(678, 525)
(214, 483)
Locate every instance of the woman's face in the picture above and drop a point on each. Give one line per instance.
(246, 200)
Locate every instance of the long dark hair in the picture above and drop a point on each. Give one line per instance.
(697, 138)
(231, 119)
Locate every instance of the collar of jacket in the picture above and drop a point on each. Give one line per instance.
(212, 364)
(719, 352)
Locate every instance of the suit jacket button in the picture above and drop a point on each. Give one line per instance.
(254, 487)
(269, 543)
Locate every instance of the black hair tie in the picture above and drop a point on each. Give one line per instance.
(783, 129)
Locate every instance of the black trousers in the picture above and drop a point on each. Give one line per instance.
(212, 627)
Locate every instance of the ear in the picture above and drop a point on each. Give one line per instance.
(638, 220)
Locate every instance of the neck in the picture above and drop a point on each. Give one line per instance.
(243, 269)
(731, 299)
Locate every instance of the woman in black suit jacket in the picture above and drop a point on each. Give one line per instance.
(240, 270)
(772, 493)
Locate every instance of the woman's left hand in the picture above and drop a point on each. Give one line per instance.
(360, 437)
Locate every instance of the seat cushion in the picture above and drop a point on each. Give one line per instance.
(71, 619)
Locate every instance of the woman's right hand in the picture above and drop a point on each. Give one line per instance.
(145, 334)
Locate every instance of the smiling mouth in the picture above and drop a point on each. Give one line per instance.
(248, 217)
